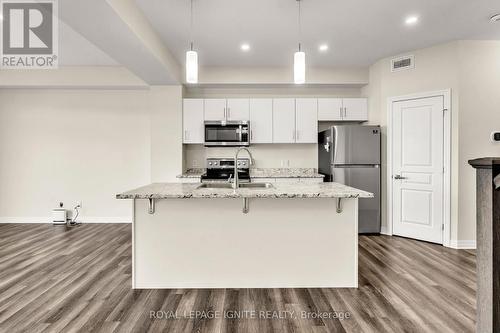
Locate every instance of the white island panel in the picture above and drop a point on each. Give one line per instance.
(280, 243)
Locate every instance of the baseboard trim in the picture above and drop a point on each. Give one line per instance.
(463, 244)
(83, 219)
(383, 231)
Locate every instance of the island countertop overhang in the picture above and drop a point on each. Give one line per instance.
(187, 191)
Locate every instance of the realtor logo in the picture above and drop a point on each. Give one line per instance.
(29, 34)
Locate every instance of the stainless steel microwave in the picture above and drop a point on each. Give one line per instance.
(227, 133)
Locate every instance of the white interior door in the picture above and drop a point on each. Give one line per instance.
(417, 168)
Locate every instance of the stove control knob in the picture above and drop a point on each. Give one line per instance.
(209, 163)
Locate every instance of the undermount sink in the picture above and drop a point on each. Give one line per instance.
(216, 185)
(256, 185)
(241, 185)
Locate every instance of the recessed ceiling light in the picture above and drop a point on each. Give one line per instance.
(495, 18)
(411, 20)
(323, 47)
(245, 47)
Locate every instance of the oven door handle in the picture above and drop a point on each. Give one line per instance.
(241, 133)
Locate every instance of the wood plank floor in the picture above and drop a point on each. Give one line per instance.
(58, 280)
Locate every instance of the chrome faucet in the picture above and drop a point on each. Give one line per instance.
(236, 182)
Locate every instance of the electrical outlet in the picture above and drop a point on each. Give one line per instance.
(195, 163)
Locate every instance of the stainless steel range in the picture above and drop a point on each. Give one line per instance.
(222, 169)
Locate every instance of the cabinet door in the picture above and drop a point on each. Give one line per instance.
(261, 120)
(192, 119)
(238, 109)
(284, 120)
(355, 109)
(215, 109)
(306, 123)
(329, 109)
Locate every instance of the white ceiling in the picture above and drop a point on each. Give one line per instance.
(76, 50)
(358, 32)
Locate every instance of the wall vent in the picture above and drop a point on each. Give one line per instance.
(402, 63)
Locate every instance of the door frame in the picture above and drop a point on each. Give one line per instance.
(446, 94)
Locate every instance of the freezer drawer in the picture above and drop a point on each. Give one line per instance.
(366, 178)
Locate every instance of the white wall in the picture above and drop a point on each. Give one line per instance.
(88, 145)
(479, 115)
(471, 70)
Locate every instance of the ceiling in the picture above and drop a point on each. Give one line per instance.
(358, 32)
(76, 50)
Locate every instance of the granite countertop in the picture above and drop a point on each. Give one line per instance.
(265, 173)
(185, 191)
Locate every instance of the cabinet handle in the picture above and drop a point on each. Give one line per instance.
(225, 112)
(293, 135)
(298, 136)
(345, 112)
(228, 113)
(341, 113)
(185, 135)
(251, 135)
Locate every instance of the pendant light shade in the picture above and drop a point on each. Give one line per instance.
(191, 56)
(299, 67)
(191, 67)
(299, 58)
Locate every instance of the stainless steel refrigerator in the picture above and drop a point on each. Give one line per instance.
(350, 155)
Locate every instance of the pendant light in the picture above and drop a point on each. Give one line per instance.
(299, 59)
(191, 56)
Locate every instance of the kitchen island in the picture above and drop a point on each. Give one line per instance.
(278, 236)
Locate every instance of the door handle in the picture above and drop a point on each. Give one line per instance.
(399, 177)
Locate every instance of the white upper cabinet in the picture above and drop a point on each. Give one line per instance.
(238, 109)
(192, 119)
(342, 109)
(283, 120)
(329, 109)
(261, 120)
(355, 109)
(215, 109)
(306, 120)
